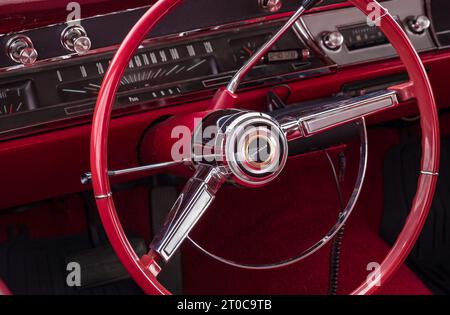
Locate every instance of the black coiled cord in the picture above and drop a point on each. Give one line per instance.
(335, 261)
(336, 245)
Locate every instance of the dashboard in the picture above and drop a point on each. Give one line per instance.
(50, 75)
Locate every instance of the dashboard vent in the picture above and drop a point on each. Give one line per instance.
(439, 12)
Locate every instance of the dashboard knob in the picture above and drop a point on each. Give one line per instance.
(28, 56)
(74, 38)
(419, 24)
(82, 45)
(270, 5)
(20, 49)
(333, 40)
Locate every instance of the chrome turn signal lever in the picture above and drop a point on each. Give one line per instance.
(86, 178)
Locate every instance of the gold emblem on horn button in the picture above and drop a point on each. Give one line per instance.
(259, 151)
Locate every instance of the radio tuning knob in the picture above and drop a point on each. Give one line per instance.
(271, 6)
(20, 49)
(419, 24)
(333, 40)
(74, 38)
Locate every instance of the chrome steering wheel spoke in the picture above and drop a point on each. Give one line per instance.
(197, 195)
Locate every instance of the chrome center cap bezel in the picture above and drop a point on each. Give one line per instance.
(250, 147)
(255, 149)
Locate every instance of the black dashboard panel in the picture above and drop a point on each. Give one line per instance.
(111, 29)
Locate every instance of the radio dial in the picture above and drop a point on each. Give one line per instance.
(419, 24)
(333, 40)
(21, 50)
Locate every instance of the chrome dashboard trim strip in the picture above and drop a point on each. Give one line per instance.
(108, 195)
(429, 173)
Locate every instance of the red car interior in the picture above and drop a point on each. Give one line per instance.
(355, 92)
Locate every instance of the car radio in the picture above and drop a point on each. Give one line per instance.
(362, 36)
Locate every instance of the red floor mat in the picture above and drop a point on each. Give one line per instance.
(284, 218)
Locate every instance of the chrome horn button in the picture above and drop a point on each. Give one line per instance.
(251, 146)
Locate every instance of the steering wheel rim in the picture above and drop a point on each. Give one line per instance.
(143, 270)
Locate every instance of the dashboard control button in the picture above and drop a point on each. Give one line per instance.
(74, 38)
(419, 24)
(333, 40)
(270, 5)
(82, 45)
(21, 50)
(28, 56)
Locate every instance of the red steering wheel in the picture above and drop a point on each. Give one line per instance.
(145, 269)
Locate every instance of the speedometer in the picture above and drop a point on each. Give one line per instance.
(16, 98)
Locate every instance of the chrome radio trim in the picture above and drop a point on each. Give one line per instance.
(320, 22)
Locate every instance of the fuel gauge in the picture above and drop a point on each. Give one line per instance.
(16, 98)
